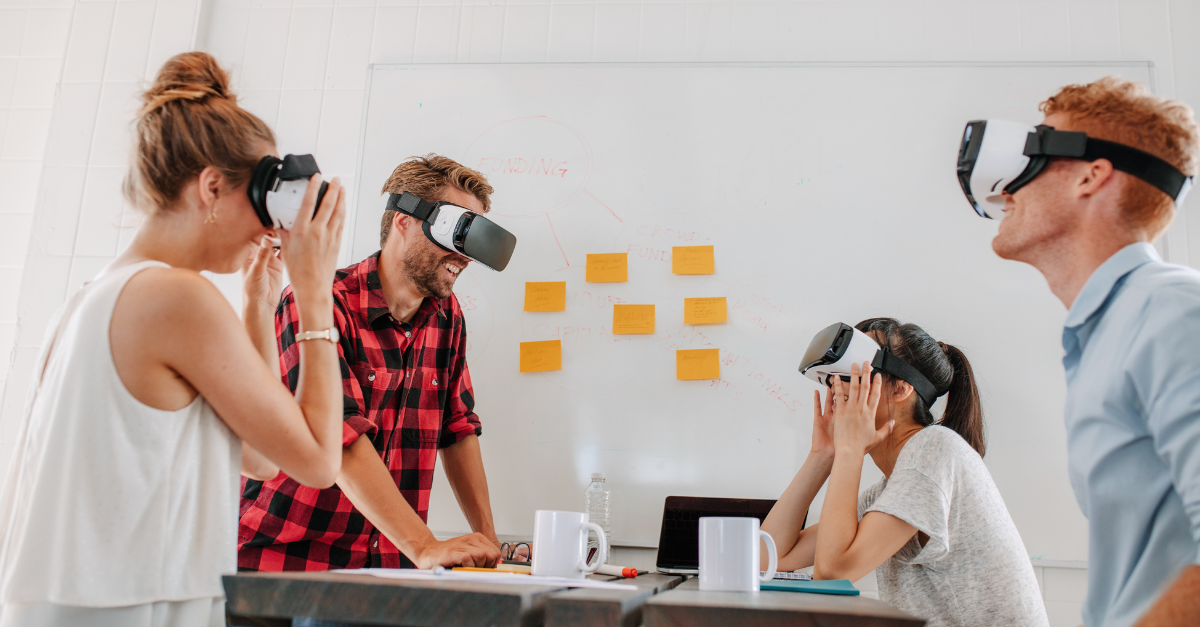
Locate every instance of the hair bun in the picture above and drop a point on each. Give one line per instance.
(191, 76)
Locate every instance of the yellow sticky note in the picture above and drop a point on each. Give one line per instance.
(693, 260)
(549, 296)
(704, 310)
(633, 319)
(704, 363)
(541, 356)
(608, 268)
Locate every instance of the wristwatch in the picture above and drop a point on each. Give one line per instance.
(330, 334)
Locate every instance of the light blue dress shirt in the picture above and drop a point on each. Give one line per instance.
(1132, 342)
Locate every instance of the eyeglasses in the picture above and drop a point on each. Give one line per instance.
(517, 552)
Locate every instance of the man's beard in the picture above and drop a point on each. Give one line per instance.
(423, 265)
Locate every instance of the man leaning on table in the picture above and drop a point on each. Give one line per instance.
(407, 398)
(1131, 341)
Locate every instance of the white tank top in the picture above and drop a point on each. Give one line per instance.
(108, 501)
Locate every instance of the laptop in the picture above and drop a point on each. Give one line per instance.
(679, 539)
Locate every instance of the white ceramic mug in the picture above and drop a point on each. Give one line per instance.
(729, 554)
(560, 544)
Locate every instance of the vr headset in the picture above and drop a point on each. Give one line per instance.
(997, 156)
(839, 345)
(277, 188)
(458, 230)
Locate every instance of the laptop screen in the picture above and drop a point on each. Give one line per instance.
(679, 539)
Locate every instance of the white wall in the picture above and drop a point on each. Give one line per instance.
(33, 37)
(300, 65)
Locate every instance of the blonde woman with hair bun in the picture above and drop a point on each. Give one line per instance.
(150, 394)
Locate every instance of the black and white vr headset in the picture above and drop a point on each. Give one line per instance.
(277, 188)
(998, 156)
(458, 230)
(838, 346)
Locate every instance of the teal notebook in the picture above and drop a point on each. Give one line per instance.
(832, 586)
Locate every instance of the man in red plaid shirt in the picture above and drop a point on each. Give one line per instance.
(408, 397)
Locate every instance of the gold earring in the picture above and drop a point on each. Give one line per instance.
(212, 217)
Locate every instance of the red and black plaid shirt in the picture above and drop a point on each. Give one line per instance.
(405, 386)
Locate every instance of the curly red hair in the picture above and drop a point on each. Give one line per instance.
(1125, 112)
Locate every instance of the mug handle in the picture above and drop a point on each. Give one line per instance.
(603, 556)
(772, 557)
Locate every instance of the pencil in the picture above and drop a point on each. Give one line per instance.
(489, 570)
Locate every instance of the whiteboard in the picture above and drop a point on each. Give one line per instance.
(829, 194)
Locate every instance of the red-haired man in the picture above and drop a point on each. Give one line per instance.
(1131, 340)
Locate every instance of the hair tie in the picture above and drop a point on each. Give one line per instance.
(178, 93)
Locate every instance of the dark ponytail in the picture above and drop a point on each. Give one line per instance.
(945, 366)
(963, 413)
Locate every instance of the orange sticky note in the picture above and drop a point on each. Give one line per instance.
(704, 363)
(541, 356)
(693, 260)
(549, 296)
(704, 310)
(633, 319)
(608, 268)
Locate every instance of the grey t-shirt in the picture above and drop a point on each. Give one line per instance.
(973, 570)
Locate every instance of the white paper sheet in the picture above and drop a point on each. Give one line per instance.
(467, 575)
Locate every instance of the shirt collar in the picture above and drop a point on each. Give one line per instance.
(1100, 285)
(375, 304)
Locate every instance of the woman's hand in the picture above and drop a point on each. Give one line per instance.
(822, 437)
(262, 277)
(310, 249)
(854, 406)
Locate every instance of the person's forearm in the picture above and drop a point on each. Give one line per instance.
(370, 487)
(319, 389)
(260, 326)
(259, 319)
(463, 462)
(255, 465)
(1179, 605)
(839, 514)
(785, 523)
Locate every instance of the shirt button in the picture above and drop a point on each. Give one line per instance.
(376, 545)
(371, 377)
(435, 381)
(407, 334)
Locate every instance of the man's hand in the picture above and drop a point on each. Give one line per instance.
(474, 550)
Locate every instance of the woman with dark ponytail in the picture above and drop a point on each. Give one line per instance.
(935, 528)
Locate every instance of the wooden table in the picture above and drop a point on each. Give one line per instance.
(589, 607)
(688, 606)
(272, 599)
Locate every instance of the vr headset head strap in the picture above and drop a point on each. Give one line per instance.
(1050, 142)
(887, 361)
(409, 204)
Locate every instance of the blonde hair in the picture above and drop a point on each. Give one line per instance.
(190, 120)
(1125, 112)
(425, 176)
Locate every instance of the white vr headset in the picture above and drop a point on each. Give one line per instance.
(458, 230)
(997, 156)
(838, 346)
(277, 188)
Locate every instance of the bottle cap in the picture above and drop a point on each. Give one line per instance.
(597, 476)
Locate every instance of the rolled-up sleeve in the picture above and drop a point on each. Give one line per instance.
(1165, 372)
(354, 419)
(460, 419)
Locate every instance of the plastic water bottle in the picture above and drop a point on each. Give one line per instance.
(596, 498)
